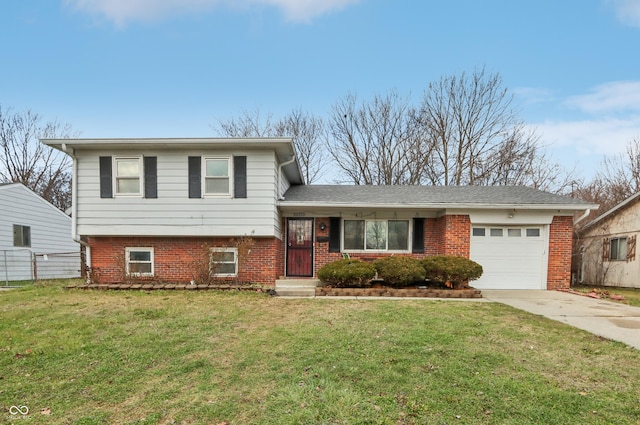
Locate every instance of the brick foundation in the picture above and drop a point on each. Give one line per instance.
(175, 259)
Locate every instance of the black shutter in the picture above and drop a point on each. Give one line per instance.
(418, 235)
(239, 176)
(334, 234)
(150, 177)
(195, 168)
(106, 180)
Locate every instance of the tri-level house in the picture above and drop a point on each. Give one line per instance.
(151, 207)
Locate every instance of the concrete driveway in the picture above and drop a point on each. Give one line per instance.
(610, 320)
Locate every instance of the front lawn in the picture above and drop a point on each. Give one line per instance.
(189, 357)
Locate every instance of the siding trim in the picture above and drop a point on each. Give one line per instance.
(195, 169)
(418, 236)
(239, 176)
(106, 177)
(334, 234)
(150, 177)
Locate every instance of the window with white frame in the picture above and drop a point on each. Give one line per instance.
(223, 262)
(139, 261)
(376, 235)
(21, 235)
(217, 179)
(618, 249)
(128, 173)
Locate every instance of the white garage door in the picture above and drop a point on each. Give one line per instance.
(511, 257)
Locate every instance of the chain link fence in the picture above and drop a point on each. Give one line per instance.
(20, 265)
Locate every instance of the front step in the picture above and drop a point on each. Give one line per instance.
(296, 287)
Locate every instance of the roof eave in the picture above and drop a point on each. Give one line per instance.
(438, 206)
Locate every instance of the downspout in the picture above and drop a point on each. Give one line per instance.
(292, 160)
(583, 216)
(581, 272)
(74, 207)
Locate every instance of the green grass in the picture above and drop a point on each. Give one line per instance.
(107, 357)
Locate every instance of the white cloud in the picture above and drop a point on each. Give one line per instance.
(122, 12)
(609, 118)
(614, 97)
(591, 137)
(627, 11)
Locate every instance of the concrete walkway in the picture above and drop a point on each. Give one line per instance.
(618, 322)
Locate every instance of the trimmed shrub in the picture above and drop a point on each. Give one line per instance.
(347, 273)
(399, 271)
(452, 271)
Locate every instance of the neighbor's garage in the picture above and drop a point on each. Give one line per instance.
(512, 257)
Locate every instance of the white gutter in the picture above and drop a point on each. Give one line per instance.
(455, 206)
(74, 206)
(583, 216)
(291, 161)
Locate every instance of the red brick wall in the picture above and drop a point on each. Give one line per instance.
(454, 235)
(560, 239)
(174, 258)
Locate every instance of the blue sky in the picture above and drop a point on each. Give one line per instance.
(172, 68)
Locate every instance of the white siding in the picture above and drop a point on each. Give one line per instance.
(173, 213)
(50, 231)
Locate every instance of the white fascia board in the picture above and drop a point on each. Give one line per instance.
(448, 206)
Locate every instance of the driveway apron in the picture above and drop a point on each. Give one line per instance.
(618, 322)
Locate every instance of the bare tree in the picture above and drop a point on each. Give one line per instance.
(620, 174)
(307, 131)
(378, 142)
(248, 124)
(477, 136)
(25, 160)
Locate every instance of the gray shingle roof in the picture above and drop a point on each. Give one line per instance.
(428, 196)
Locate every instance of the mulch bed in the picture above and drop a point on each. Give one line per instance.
(170, 286)
(398, 292)
(322, 291)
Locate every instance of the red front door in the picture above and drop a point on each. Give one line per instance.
(300, 247)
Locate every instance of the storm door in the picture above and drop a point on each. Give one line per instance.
(300, 247)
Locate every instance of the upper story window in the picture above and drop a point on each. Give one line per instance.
(217, 176)
(128, 176)
(21, 235)
(376, 235)
(217, 180)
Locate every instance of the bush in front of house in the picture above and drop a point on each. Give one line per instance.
(399, 271)
(347, 273)
(450, 270)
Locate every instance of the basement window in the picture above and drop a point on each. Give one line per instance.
(139, 261)
(223, 262)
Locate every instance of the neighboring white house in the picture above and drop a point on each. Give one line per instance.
(608, 246)
(35, 237)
